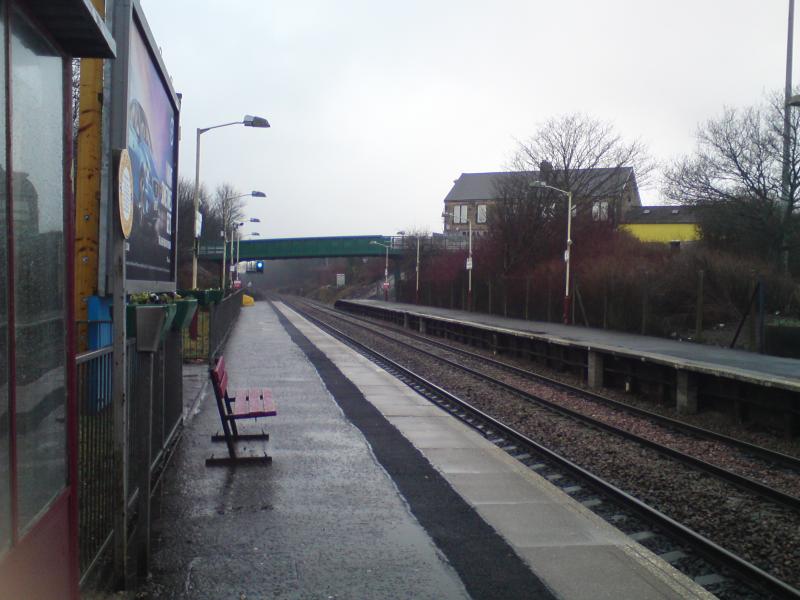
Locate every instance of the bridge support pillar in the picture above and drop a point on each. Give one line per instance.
(594, 372)
(686, 393)
(422, 327)
(406, 324)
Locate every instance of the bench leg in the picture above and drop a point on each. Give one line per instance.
(241, 436)
(227, 461)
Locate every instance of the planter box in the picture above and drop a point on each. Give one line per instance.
(150, 320)
(185, 310)
(149, 324)
(169, 318)
(203, 297)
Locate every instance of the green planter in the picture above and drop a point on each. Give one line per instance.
(172, 310)
(203, 297)
(133, 310)
(130, 320)
(184, 313)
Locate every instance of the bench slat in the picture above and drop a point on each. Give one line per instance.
(252, 403)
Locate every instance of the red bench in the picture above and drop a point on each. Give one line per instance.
(235, 405)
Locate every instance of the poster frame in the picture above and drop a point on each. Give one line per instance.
(128, 15)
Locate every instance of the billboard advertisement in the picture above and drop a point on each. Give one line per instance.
(152, 118)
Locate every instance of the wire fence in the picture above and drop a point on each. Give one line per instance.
(97, 472)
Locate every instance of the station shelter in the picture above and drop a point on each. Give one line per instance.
(38, 420)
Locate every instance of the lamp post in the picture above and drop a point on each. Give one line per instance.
(255, 194)
(236, 227)
(568, 194)
(385, 270)
(787, 129)
(247, 121)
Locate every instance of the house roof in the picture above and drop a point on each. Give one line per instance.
(594, 182)
(661, 215)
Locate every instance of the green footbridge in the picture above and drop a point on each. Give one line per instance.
(311, 247)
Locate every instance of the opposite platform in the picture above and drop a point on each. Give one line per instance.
(712, 360)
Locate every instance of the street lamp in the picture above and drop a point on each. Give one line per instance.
(247, 121)
(236, 227)
(254, 194)
(786, 169)
(568, 194)
(385, 270)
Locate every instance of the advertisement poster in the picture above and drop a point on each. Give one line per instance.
(150, 252)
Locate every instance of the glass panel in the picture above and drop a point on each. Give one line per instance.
(37, 123)
(5, 465)
(481, 213)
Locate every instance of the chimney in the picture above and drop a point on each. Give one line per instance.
(545, 169)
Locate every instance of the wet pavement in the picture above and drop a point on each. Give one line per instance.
(373, 493)
(324, 520)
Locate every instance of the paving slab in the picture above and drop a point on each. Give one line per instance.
(324, 520)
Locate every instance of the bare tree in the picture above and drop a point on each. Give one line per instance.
(575, 153)
(228, 207)
(734, 178)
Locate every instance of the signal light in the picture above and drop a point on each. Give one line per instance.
(260, 266)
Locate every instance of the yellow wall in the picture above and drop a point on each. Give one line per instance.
(647, 232)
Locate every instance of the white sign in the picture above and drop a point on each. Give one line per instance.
(198, 224)
(125, 180)
(469, 264)
(566, 255)
(340, 280)
(386, 285)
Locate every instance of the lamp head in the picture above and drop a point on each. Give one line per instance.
(251, 121)
(537, 184)
(257, 194)
(255, 220)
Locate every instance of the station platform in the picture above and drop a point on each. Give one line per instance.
(745, 366)
(372, 493)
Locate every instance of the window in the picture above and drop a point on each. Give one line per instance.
(600, 211)
(460, 213)
(37, 162)
(5, 455)
(481, 218)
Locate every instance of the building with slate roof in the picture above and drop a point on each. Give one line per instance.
(599, 194)
(667, 224)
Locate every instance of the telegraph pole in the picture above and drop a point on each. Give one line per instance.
(786, 192)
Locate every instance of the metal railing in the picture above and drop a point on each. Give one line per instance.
(223, 316)
(195, 347)
(95, 454)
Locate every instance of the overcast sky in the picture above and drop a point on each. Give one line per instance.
(376, 107)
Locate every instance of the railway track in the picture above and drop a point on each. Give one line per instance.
(781, 472)
(524, 448)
